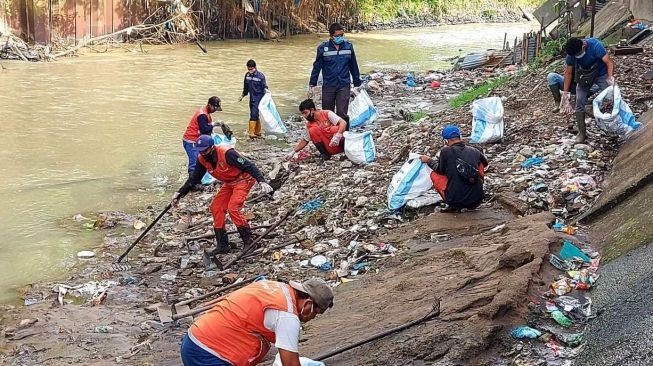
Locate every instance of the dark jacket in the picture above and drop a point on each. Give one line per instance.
(254, 84)
(460, 193)
(336, 65)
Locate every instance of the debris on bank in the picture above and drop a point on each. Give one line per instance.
(338, 222)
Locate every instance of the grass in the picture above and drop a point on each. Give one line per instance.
(478, 91)
(416, 116)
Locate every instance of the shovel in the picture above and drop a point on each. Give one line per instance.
(176, 311)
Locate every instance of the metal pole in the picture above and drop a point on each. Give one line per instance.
(593, 15)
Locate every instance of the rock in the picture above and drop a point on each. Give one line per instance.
(361, 201)
(346, 164)
(27, 323)
(229, 278)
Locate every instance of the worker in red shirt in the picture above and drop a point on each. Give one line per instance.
(239, 330)
(238, 176)
(324, 128)
(200, 124)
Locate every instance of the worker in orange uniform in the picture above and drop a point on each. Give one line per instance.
(324, 128)
(200, 124)
(238, 176)
(239, 330)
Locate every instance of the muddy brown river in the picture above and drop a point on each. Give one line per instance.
(103, 131)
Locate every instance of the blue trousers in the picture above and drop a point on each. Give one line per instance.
(192, 155)
(194, 355)
(254, 100)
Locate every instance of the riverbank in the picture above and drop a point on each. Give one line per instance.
(482, 265)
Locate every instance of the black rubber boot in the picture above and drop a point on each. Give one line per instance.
(557, 97)
(580, 123)
(324, 154)
(246, 236)
(222, 247)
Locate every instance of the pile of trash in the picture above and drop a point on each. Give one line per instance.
(555, 331)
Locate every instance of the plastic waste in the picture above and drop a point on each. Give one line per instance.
(85, 254)
(532, 162)
(584, 278)
(410, 81)
(561, 318)
(570, 251)
(318, 261)
(411, 181)
(571, 340)
(359, 147)
(270, 118)
(303, 361)
(525, 332)
(361, 110)
(427, 199)
(620, 120)
(561, 227)
(487, 122)
(562, 287)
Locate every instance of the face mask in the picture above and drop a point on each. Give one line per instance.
(580, 55)
(309, 313)
(310, 117)
(338, 39)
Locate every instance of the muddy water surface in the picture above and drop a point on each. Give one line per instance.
(103, 131)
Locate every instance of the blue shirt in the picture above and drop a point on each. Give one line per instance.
(594, 53)
(336, 64)
(254, 84)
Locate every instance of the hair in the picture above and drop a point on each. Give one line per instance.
(251, 63)
(574, 46)
(302, 295)
(307, 104)
(335, 27)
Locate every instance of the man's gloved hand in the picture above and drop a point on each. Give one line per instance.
(311, 91)
(241, 98)
(335, 140)
(291, 155)
(175, 199)
(355, 90)
(425, 159)
(266, 188)
(565, 103)
(226, 130)
(610, 80)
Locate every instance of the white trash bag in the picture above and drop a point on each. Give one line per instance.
(270, 117)
(487, 122)
(361, 110)
(620, 120)
(218, 140)
(411, 181)
(429, 198)
(359, 147)
(303, 361)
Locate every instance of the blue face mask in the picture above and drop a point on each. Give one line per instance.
(338, 39)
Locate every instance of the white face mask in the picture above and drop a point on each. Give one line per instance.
(580, 55)
(310, 312)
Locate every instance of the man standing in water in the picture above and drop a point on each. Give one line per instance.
(238, 176)
(337, 61)
(255, 85)
(200, 124)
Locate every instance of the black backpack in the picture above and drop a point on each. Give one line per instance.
(467, 171)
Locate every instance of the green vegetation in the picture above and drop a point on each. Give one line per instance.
(550, 50)
(416, 116)
(386, 10)
(480, 90)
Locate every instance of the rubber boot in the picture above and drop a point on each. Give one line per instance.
(555, 90)
(251, 129)
(257, 128)
(323, 151)
(580, 123)
(246, 236)
(222, 247)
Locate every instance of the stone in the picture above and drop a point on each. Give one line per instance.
(229, 278)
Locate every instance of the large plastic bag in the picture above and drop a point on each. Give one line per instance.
(270, 118)
(411, 181)
(361, 110)
(429, 198)
(487, 122)
(302, 361)
(359, 147)
(218, 140)
(620, 120)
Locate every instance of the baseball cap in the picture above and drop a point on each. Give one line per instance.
(450, 132)
(318, 290)
(215, 101)
(203, 143)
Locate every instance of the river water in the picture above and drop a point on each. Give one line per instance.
(103, 131)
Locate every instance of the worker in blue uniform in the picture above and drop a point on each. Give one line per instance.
(255, 85)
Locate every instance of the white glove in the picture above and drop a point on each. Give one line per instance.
(610, 80)
(335, 140)
(565, 103)
(311, 91)
(266, 188)
(291, 155)
(355, 90)
(175, 199)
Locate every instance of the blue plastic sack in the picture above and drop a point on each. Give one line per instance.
(359, 147)
(525, 332)
(411, 181)
(487, 122)
(620, 120)
(361, 110)
(569, 251)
